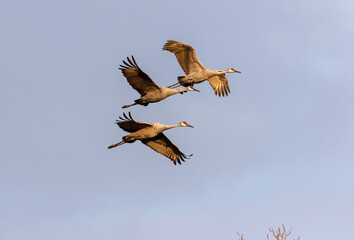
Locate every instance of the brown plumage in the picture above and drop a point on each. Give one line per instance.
(151, 135)
(149, 91)
(195, 71)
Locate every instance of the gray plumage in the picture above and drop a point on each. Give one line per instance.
(151, 135)
(195, 71)
(149, 91)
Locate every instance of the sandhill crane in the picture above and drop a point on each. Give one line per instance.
(151, 135)
(150, 92)
(195, 71)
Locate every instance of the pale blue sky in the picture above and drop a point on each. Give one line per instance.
(278, 150)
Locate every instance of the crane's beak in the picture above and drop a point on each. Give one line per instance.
(190, 126)
(235, 70)
(196, 90)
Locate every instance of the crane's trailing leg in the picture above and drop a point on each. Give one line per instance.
(175, 85)
(126, 106)
(116, 145)
(137, 101)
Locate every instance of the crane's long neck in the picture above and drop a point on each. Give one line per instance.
(220, 72)
(166, 127)
(172, 91)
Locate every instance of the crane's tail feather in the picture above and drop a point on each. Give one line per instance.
(185, 83)
(116, 145)
(179, 79)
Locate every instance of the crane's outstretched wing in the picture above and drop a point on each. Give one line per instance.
(185, 55)
(220, 85)
(164, 146)
(139, 80)
(128, 124)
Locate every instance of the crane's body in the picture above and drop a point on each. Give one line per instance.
(201, 76)
(148, 132)
(195, 71)
(159, 94)
(149, 91)
(151, 135)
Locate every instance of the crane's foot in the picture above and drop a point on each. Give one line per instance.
(174, 85)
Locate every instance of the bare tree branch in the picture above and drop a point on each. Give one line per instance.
(240, 236)
(278, 234)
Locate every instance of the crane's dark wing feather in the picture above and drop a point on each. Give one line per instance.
(164, 146)
(139, 80)
(220, 85)
(186, 56)
(128, 124)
